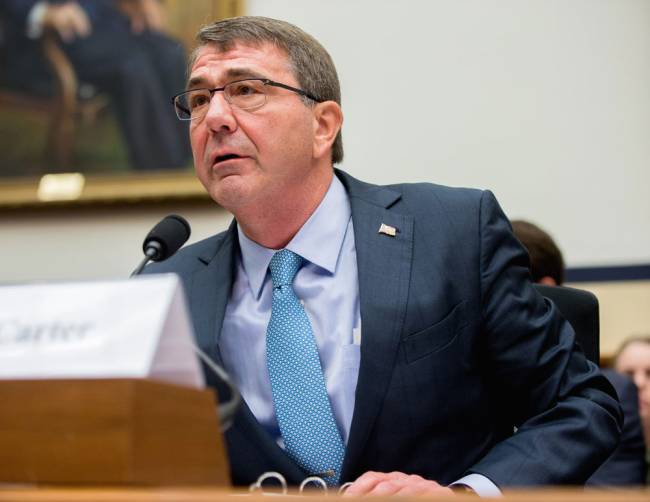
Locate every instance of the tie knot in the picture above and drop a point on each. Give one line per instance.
(284, 266)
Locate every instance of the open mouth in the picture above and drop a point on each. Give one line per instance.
(229, 156)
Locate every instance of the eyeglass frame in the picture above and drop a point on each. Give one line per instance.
(265, 81)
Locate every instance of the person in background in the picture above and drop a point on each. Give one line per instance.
(626, 466)
(546, 261)
(633, 360)
(119, 48)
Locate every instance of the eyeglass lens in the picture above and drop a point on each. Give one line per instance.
(245, 94)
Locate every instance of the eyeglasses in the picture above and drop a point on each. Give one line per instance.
(248, 94)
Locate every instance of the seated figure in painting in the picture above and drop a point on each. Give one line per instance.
(118, 48)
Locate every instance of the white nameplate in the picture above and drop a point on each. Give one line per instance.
(137, 328)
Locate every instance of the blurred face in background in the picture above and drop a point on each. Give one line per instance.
(634, 361)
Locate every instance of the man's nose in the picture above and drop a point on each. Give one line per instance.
(219, 116)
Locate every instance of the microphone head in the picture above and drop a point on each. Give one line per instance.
(166, 237)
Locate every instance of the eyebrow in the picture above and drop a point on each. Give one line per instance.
(230, 75)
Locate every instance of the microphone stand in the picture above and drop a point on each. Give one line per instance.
(153, 250)
(228, 409)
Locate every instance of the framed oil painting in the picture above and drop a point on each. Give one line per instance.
(85, 99)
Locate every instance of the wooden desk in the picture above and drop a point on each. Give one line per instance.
(180, 494)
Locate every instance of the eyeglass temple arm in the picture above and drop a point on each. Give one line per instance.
(294, 89)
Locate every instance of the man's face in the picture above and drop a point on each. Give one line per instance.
(250, 159)
(635, 362)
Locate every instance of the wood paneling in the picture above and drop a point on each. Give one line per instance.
(624, 311)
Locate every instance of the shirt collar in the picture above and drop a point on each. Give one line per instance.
(318, 241)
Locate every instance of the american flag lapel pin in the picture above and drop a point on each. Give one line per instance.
(387, 230)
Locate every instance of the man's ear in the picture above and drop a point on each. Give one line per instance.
(328, 119)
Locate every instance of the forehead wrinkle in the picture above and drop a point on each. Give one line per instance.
(230, 75)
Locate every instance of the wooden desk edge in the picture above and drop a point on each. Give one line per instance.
(201, 494)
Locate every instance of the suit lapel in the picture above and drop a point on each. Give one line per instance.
(211, 285)
(384, 267)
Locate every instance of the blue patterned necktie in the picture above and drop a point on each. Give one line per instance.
(302, 406)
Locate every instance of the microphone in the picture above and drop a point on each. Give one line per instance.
(164, 239)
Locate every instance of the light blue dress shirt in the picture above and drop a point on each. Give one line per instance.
(328, 286)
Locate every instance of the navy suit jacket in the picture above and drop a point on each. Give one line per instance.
(457, 349)
(626, 466)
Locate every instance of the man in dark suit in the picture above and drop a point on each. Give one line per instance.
(122, 53)
(425, 283)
